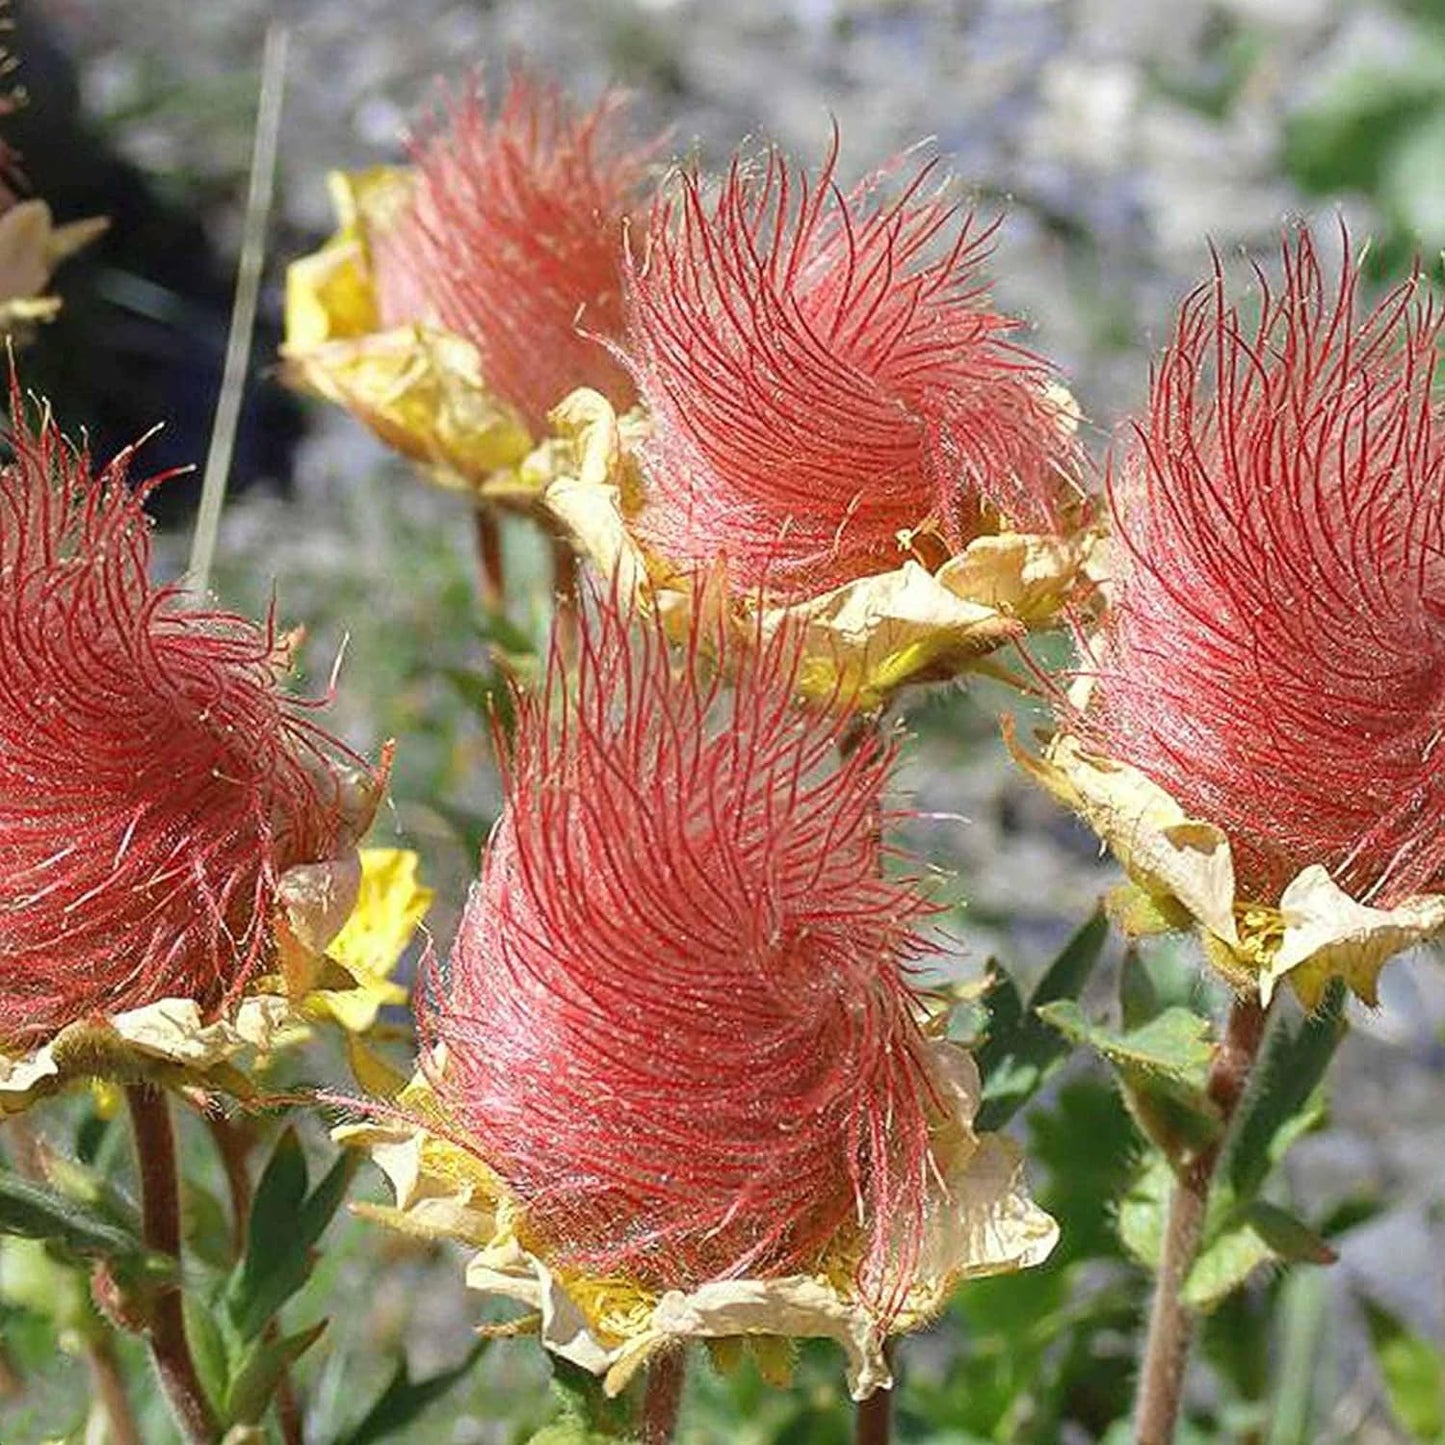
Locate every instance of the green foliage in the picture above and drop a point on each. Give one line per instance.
(404, 1399)
(1413, 1369)
(286, 1224)
(1019, 1051)
(1379, 129)
(74, 1228)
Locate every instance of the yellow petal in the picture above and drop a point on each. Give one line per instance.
(390, 903)
(167, 1042)
(420, 389)
(980, 1221)
(329, 294)
(1165, 851)
(1327, 934)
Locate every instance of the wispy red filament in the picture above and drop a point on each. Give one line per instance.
(514, 241)
(823, 373)
(677, 1017)
(154, 782)
(1276, 655)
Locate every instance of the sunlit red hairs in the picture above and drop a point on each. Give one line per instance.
(514, 239)
(154, 780)
(677, 1017)
(823, 373)
(1275, 657)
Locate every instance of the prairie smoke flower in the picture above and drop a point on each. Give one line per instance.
(839, 418)
(467, 294)
(1271, 663)
(677, 1036)
(158, 791)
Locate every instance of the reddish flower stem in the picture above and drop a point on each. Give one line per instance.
(662, 1399)
(489, 557)
(873, 1423)
(155, 1147)
(1171, 1326)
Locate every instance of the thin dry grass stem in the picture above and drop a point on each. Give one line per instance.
(243, 308)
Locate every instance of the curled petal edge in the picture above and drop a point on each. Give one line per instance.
(1182, 870)
(982, 1222)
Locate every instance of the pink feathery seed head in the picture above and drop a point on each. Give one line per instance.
(678, 1019)
(1275, 656)
(824, 373)
(154, 781)
(514, 240)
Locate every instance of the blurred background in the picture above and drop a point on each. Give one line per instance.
(1121, 138)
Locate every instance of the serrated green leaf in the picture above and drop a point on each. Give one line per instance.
(1020, 1051)
(1172, 1047)
(285, 1225)
(1143, 1210)
(1258, 1234)
(1413, 1373)
(404, 1399)
(1224, 1264)
(585, 1403)
(259, 1370)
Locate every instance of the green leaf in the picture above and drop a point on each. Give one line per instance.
(1224, 1265)
(1142, 1211)
(1086, 1144)
(208, 1347)
(1172, 1048)
(81, 1230)
(404, 1399)
(1413, 1373)
(260, 1369)
(1020, 1051)
(1259, 1234)
(1283, 1102)
(585, 1404)
(285, 1225)
(1156, 978)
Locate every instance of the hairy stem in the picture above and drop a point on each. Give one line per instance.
(660, 1402)
(1171, 1326)
(155, 1147)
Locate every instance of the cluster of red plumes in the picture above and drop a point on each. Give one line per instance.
(513, 241)
(824, 375)
(677, 1017)
(1275, 654)
(154, 781)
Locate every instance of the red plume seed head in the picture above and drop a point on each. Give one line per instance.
(1275, 657)
(677, 1019)
(154, 781)
(514, 240)
(823, 374)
